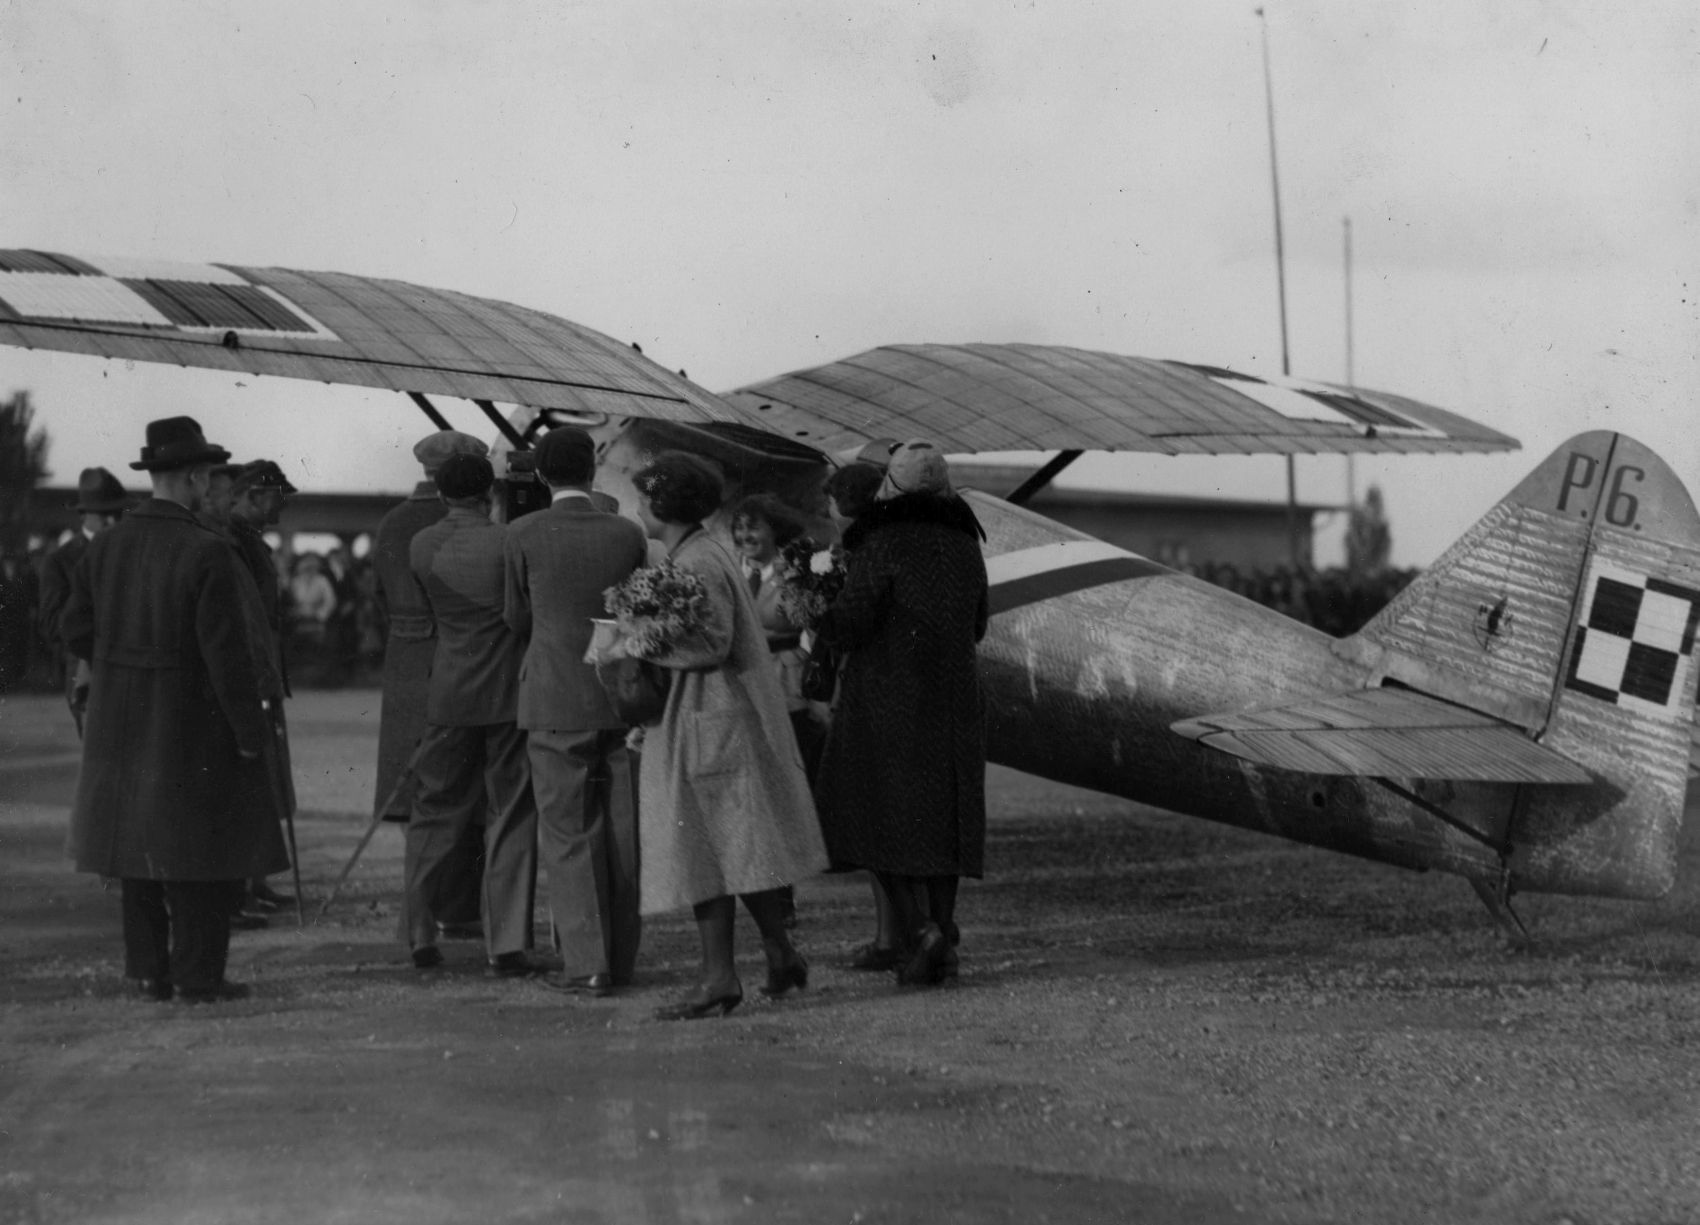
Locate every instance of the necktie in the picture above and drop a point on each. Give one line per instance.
(755, 582)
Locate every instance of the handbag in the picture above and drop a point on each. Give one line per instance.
(636, 689)
(820, 673)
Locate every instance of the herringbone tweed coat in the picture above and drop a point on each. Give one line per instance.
(902, 780)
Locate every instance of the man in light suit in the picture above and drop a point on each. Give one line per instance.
(472, 760)
(559, 562)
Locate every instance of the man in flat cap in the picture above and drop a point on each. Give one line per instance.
(472, 760)
(176, 798)
(408, 650)
(560, 561)
(258, 491)
(101, 502)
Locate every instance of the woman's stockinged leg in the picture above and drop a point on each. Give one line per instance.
(786, 967)
(714, 925)
(719, 992)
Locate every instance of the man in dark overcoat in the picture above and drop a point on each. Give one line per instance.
(258, 491)
(101, 502)
(472, 762)
(176, 797)
(408, 649)
(560, 561)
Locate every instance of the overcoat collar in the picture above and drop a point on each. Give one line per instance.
(165, 508)
(951, 512)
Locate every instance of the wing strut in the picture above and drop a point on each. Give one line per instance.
(1044, 476)
(430, 410)
(501, 423)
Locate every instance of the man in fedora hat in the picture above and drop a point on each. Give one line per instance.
(408, 650)
(101, 502)
(176, 798)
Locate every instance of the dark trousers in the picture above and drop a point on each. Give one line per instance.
(178, 931)
(465, 772)
(587, 833)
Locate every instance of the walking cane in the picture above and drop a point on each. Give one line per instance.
(295, 868)
(371, 828)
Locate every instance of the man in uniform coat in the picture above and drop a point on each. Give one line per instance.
(176, 797)
(560, 561)
(101, 502)
(472, 760)
(408, 650)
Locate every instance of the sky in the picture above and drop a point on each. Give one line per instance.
(751, 188)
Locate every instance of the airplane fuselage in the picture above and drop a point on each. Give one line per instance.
(1082, 687)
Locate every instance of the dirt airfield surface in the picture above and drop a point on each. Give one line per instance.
(1159, 1019)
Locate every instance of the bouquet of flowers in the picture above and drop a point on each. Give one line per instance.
(812, 577)
(656, 606)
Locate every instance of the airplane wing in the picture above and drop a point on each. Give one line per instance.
(335, 328)
(1046, 397)
(1393, 733)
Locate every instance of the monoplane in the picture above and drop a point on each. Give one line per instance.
(1521, 715)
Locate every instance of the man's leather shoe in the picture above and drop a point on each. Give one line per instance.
(155, 989)
(223, 993)
(427, 957)
(461, 931)
(267, 896)
(696, 1007)
(596, 985)
(510, 965)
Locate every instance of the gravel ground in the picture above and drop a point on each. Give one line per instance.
(1159, 1019)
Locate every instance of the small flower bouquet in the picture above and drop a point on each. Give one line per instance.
(653, 609)
(812, 577)
(656, 606)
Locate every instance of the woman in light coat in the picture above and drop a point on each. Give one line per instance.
(726, 810)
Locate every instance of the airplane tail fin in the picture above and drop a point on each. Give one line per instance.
(1571, 609)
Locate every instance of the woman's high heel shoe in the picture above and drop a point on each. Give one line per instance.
(782, 978)
(696, 1007)
(925, 964)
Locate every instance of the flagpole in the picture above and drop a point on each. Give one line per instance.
(1280, 282)
(1351, 377)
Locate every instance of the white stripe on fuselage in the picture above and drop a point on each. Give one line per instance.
(1041, 559)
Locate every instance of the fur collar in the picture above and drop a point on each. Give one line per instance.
(950, 512)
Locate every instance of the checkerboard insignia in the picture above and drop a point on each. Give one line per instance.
(44, 287)
(1635, 641)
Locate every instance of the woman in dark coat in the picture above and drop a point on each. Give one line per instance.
(902, 782)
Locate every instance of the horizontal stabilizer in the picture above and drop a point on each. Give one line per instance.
(1384, 733)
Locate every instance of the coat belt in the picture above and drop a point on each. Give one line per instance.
(405, 625)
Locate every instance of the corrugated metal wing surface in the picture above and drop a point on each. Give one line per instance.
(337, 328)
(1042, 397)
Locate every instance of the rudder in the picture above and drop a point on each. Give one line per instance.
(1570, 609)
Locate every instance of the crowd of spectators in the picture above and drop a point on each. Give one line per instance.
(336, 622)
(337, 626)
(1337, 601)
